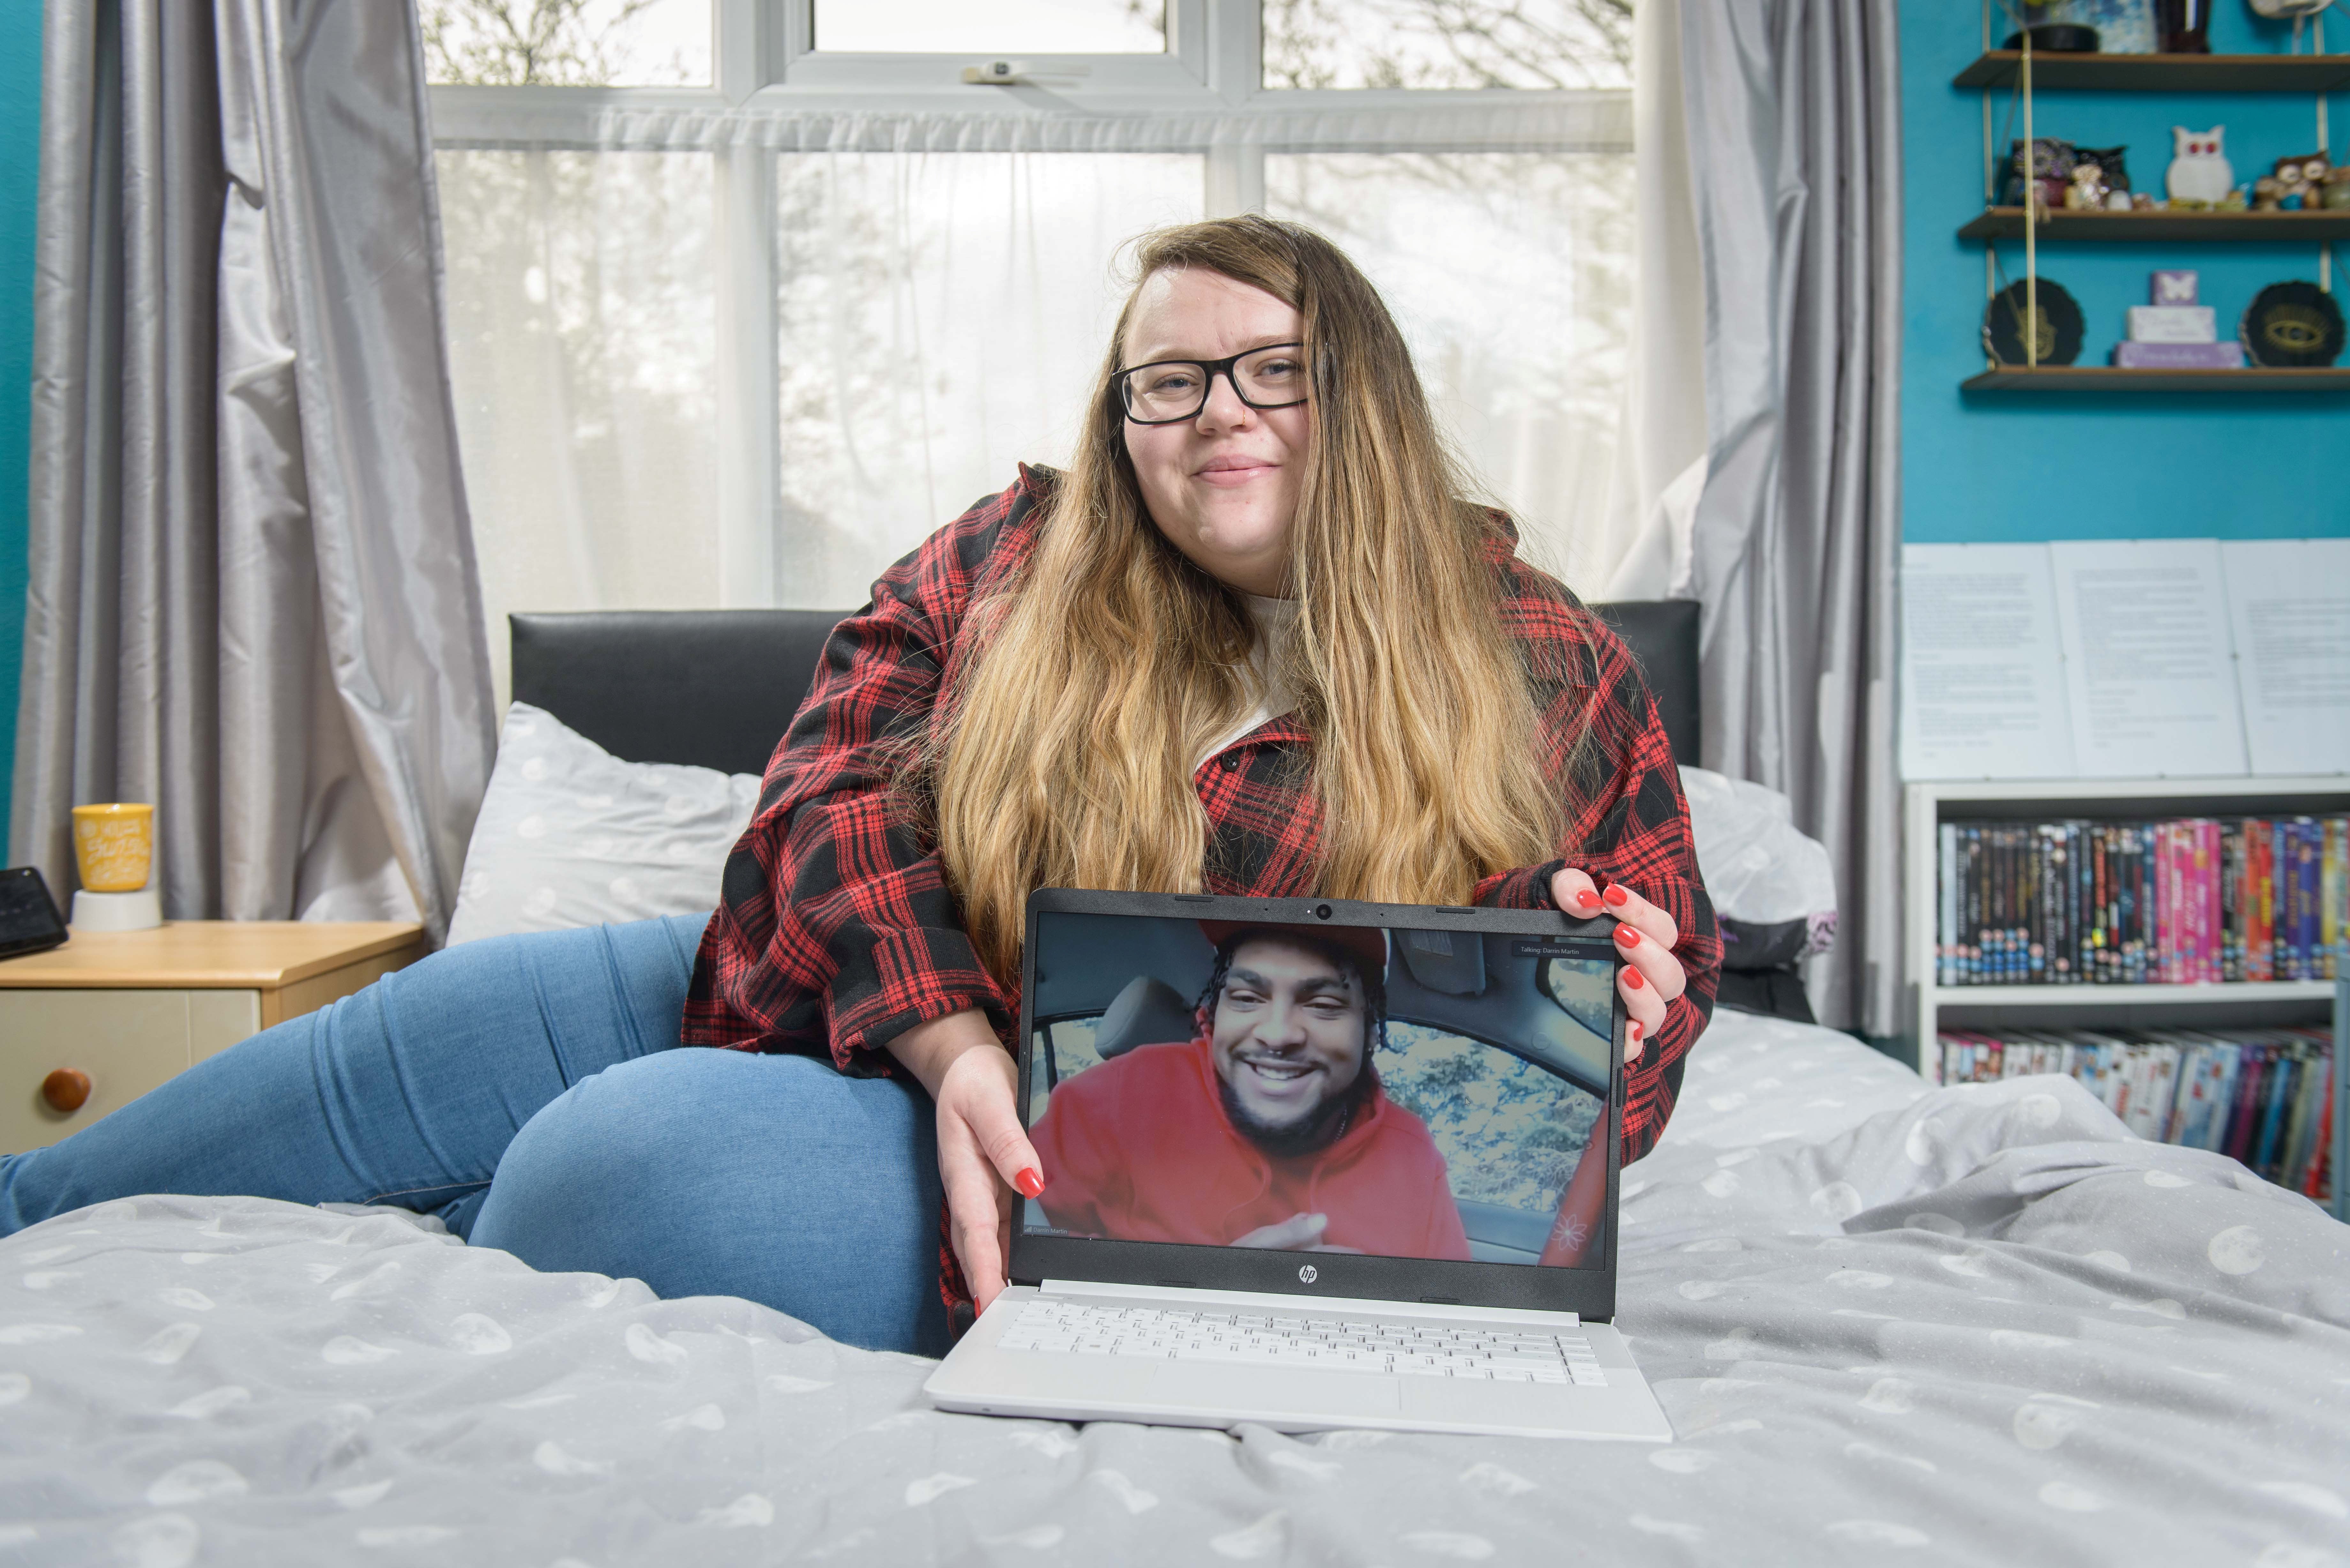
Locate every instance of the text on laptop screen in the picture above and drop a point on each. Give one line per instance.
(1412, 1093)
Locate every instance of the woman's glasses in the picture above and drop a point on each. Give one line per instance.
(1170, 391)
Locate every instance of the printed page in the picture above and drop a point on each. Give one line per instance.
(2147, 664)
(2289, 606)
(1983, 691)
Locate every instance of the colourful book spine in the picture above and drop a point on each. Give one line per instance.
(2279, 1095)
(1971, 917)
(2223, 1097)
(2205, 836)
(2037, 947)
(2232, 900)
(2300, 1116)
(2167, 904)
(2315, 1185)
(2299, 906)
(2334, 903)
(2188, 906)
(2241, 1119)
(2136, 910)
(2215, 925)
(2123, 844)
(1946, 896)
(2260, 916)
(2068, 903)
(2103, 894)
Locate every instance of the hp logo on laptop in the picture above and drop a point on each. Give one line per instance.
(1308, 1275)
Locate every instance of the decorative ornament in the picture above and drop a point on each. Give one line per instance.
(2200, 175)
(2052, 162)
(2055, 335)
(2300, 180)
(2113, 161)
(2055, 38)
(2292, 325)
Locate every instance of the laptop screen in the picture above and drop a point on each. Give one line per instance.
(1320, 1088)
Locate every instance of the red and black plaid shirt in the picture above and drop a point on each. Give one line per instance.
(835, 931)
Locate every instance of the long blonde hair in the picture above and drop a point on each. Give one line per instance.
(1065, 751)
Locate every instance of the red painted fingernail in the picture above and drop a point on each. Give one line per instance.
(1632, 980)
(1627, 936)
(1587, 897)
(1616, 897)
(1029, 1181)
(1632, 1032)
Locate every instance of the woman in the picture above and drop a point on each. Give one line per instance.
(1253, 642)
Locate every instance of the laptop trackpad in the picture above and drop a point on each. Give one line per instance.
(1220, 1386)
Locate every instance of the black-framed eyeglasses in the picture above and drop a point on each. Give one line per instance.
(1169, 391)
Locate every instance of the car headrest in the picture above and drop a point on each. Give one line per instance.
(1149, 1012)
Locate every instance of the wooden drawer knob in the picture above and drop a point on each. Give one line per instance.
(66, 1090)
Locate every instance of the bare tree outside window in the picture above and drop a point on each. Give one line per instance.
(1455, 44)
(566, 43)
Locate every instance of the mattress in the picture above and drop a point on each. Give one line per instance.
(1974, 1324)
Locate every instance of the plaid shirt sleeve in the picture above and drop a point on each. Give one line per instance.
(1632, 827)
(835, 931)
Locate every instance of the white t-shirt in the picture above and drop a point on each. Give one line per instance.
(1269, 687)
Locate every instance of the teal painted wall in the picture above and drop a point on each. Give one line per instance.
(20, 139)
(2022, 468)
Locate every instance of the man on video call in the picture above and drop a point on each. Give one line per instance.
(1268, 1128)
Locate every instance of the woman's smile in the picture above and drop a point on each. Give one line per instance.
(1230, 470)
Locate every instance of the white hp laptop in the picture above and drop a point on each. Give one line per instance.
(1315, 1163)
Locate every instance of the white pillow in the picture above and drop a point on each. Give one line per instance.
(569, 835)
(1759, 868)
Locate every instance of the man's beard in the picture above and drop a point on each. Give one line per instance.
(1320, 1127)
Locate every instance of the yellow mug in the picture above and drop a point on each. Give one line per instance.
(114, 845)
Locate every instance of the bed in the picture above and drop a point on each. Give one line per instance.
(1977, 1323)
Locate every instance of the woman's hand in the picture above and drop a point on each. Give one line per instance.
(982, 1153)
(1651, 978)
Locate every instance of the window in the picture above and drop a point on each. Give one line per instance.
(746, 297)
(957, 26)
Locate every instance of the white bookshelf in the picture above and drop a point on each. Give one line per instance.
(1926, 805)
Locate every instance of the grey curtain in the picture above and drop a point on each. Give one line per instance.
(1795, 136)
(253, 598)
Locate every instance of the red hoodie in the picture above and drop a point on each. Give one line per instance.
(1139, 1149)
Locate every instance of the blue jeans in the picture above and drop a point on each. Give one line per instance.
(528, 1090)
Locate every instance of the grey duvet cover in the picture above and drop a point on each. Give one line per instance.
(1977, 1324)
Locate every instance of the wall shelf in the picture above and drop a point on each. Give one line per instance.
(2161, 73)
(2120, 378)
(2229, 993)
(2258, 228)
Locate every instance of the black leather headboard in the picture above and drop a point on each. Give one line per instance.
(713, 688)
(718, 687)
(1662, 636)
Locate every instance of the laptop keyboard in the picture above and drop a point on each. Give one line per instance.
(1269, 1339)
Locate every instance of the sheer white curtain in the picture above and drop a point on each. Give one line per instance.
(751, 359)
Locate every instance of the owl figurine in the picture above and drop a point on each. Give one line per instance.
(2200, 175)
(2300, 180)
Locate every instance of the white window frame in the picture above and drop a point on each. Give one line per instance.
(764, 59)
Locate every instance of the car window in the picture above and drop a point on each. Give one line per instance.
(1061, 1049)
(1509, 1132)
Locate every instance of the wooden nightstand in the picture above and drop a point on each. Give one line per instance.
(132, 1009)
